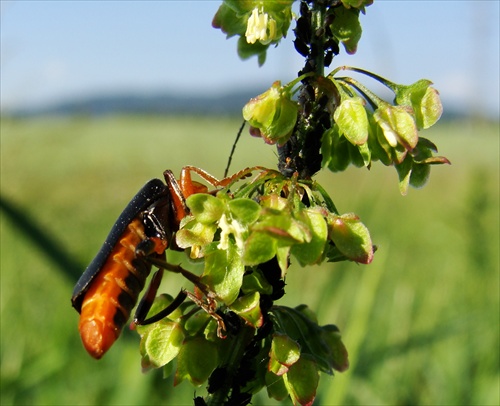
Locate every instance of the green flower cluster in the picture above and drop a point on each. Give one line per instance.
(287, 362)
(267, 218)
(383, 131)
(272, 115)
(259, 24)
(364, 128)
(346, 27)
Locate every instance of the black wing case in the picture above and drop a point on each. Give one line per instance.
(150, 193)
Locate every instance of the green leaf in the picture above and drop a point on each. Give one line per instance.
(419, 175)
(260, 110)
(282, 255)
(196, 361)
(255, 281)
(429, 108)
(224, 273)
(420, 169)
(246, 50)
(160, 303)
(260, 247)
(423, 99)
(246, 211)
(205, 208)
(351, 237)
(275, 202)
(248, 308)
(338, 357)
(284, 121)
(404, 172)
(282, 6)
(197, 322)
(307, 312)
(228, 22)
(301, 325)
(352, 120)
(284, 353)
(240, 7)
(310, 252)
(339, 155)
(346, 28)
(302, 381)
(280, 225)
(379, 147)
(365, 152)
(276, 388)
(163, 342)
(195, 234)
(273, 113)
(398, 126)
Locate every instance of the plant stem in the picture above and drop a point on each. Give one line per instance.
(318, 40)
(391, 85)
(302, 152)
(371, 97)
(237, 344)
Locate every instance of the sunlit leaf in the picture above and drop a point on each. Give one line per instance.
(224, 273)
(302, 381)
(284, 353)
(352, 120)
(346, 28)
(248, 308)
(196, 361)
(351, 237)
(163, 342)
(310, 252)
(205, 208)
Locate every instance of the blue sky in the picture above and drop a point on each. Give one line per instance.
(56, 50)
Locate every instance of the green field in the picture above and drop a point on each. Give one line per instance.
(421, 322)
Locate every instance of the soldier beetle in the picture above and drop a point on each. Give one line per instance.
(109, 288)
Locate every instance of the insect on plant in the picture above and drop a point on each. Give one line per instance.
(248, 236)
(109, 288)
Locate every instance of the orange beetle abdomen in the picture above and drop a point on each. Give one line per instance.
(113, 293)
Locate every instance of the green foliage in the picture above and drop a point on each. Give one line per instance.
(162, 341)
(360, 135)
(301, 381)
(259, 24)
(260, 217)
(346, 27)
(273, 114)
(196, 361)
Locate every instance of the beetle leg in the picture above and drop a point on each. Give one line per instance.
(186, 177)
(179, 299)
(187, 184)
(211, 308)
(179, 207)
(195, 279)
(148, 299)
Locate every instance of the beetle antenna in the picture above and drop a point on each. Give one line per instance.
(234, 147)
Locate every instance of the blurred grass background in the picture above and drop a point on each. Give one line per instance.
(421, 323)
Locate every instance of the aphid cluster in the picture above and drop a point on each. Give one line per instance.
(321, 42)
(302, 152)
